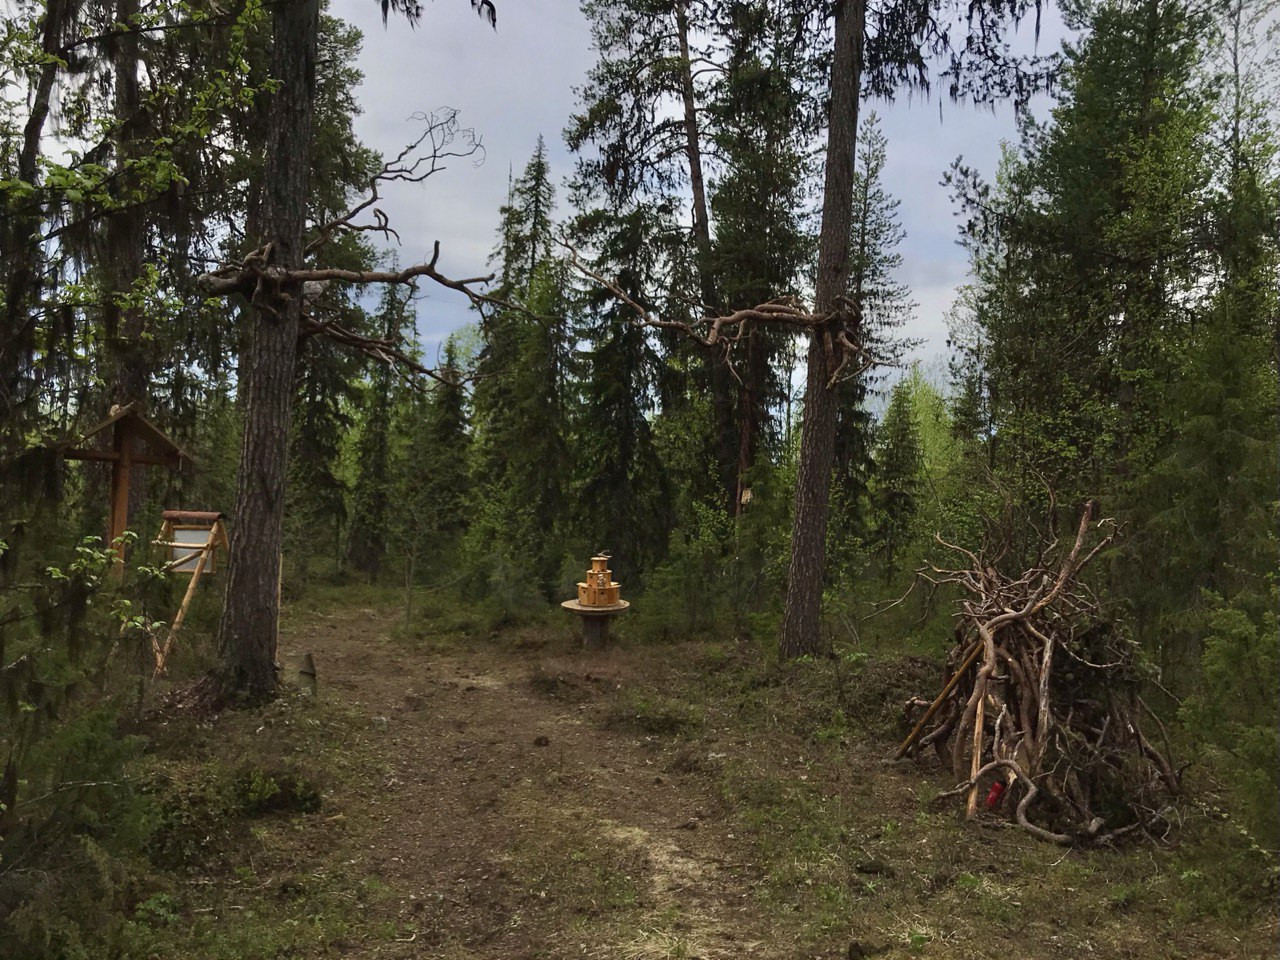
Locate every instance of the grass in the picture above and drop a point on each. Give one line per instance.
(254, 853)
(823, 813)
(650, 712)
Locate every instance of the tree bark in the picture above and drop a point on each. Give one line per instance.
(247, 634)
(701, 219)
(721, 388)
(753, 373)
(20, 251)
(801, 618)
(126, 232)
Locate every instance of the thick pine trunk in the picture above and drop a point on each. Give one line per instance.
(247, 635)
(801, 619)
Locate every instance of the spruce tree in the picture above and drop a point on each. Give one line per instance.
(432, 478)
(900, 462)
(521, 464)
(886, 306)
(760, 120)
(621, 490)
(1094, 269)
(641, 135)
(372, 488)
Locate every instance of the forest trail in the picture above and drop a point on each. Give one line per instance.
(506, 794)
(499, 803)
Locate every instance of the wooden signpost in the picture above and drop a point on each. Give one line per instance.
(134, 440)
(191, 538)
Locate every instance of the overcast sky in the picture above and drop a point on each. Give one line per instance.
(512, 85)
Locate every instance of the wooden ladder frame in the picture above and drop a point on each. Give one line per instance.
(217, 538)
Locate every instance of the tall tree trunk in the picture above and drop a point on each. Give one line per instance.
(721, 388)
(697, 184)
(801, 619)
(124, 322)
(20, 252)
(247, 635)
(754, 372)
(126, 231)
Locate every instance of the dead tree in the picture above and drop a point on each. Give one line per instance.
(1041, 703)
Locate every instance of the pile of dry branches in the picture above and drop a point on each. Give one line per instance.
(1040, 708)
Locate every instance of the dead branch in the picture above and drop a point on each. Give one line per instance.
(379, 349)
(413, 164)
(270, 286)
(846, 358)
(264, 284)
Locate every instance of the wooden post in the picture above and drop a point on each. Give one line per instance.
(162, 656)
(933, 707)
(595, 632)
(307, 674)
(122, 442)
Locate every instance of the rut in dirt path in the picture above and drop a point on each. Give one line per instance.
(516, 824)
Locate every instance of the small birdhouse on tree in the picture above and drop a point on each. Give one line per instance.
(134, 440)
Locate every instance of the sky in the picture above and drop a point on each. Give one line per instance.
(517, 82)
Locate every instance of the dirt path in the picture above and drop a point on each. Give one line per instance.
(516, 797)
(511, 821)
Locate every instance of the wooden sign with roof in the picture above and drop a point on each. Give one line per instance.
(134, 440)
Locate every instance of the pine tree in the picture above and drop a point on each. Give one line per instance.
(876, 50)
(247, 634)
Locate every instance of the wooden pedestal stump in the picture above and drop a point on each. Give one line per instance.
(595, 621)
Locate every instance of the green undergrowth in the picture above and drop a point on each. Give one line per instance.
(850, 847)
(650, 712)
(212, 845)
(222, 837)
(431, 619)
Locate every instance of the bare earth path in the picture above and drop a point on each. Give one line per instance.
(503, 807)
(515, 797)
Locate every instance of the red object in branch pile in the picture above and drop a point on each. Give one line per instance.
(994, 795)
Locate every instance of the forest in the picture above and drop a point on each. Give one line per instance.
(906, 648)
